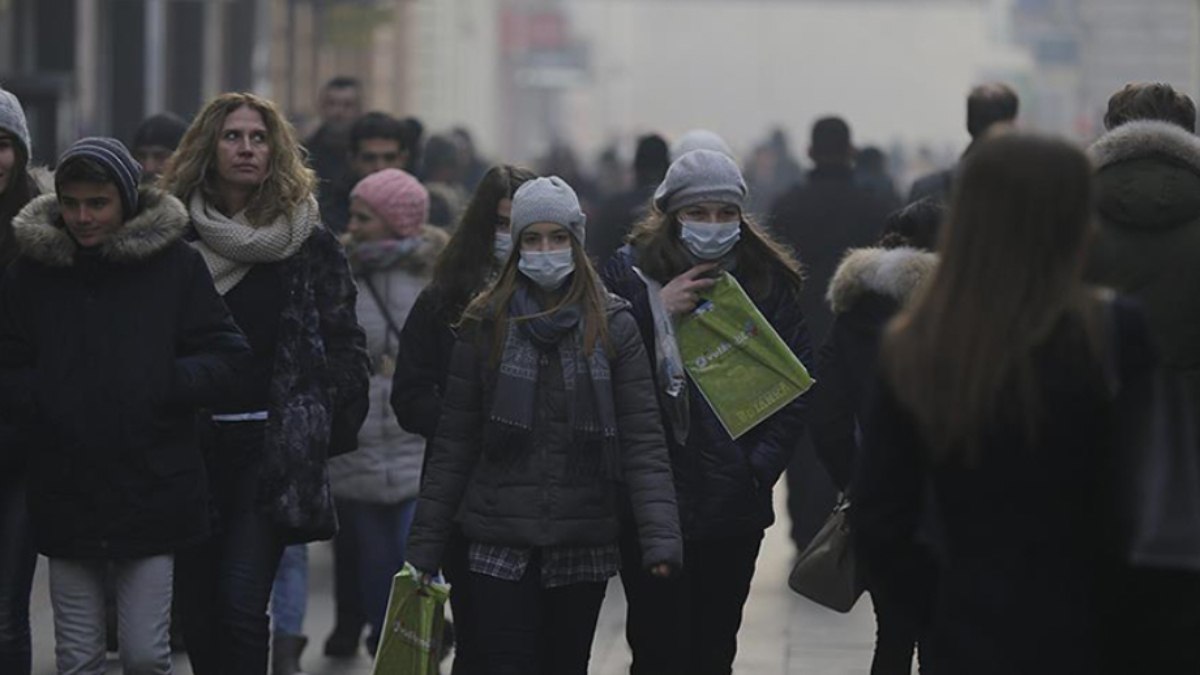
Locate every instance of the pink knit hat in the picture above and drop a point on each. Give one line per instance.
(398, 198)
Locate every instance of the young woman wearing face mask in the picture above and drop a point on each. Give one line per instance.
(549, 400)
(697, 230)
(478, 249)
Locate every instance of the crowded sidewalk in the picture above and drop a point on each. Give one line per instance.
(782, 633)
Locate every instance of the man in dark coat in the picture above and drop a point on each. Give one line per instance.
(822, 219)
(341, 104)
(987, 106)
(111, 336)
(619, 214)
(1147, 244)
(377, 142)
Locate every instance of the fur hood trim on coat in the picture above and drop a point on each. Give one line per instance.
(433, 242)
(1146, 138)
(42, 236)
(895, 273)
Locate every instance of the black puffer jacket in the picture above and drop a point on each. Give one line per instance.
(104, 358)
(724, 486)
(426, 343)
(538, 502)
(869, 287)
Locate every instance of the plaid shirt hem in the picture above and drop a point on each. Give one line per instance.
(560, 565)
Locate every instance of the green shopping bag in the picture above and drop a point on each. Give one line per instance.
(743, 368)
(411, 643)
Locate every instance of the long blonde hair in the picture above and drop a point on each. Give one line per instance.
(192, 167)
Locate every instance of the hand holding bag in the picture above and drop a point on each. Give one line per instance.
(411, 639)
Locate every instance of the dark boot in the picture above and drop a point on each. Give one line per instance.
(342, 643)
(285, 653)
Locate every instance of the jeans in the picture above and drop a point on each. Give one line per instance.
(289, 594)
(350, 617)
(18, 559)
(225, 583)
(143, 614)
(381, 533)
(688, 624)
(525, 629)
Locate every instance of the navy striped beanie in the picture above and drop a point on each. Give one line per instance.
(112, 155)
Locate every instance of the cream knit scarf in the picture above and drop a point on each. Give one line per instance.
(231, 246)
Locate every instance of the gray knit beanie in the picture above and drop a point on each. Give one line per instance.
(701, 176)
(114, 157)
(700, 139)
(547, 200)
(12, 120)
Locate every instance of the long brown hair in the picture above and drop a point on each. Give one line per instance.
(489, 310)
(19, 192)
(193, 166)
(761, 260)
(464, 266)
(1012, 253)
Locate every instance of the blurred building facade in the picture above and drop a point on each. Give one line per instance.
(1084, 50)
(84, 67)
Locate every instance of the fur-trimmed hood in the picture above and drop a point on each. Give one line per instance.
(1148, 175)
(894, 273)
(43, 237)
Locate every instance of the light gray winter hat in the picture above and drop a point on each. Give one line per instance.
(12, 119)
(547, 200)
(701, 176)
(700, 139)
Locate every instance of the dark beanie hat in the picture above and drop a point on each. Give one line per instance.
(164, 129)
(112, 155)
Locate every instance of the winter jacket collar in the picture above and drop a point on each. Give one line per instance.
(894, 273)
(1147, 138)
(1148, 176)
(43, 237)
(420, 260)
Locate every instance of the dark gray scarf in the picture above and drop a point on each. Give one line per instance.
(588, 383)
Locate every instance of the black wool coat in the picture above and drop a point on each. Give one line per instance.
(1023, 538)
(105, 355)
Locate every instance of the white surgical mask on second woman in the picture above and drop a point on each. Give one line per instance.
(710, 241)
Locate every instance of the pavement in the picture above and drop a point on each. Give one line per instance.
(782, 633)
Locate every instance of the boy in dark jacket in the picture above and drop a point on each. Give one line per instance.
(111, 335)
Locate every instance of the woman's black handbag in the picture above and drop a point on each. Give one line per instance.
(827, 572)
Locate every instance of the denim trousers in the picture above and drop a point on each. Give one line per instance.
(18, 559)
(380, 534)
(289, 594)
(143, 587)
(225, 583)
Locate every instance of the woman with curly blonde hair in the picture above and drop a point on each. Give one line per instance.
(241, 173)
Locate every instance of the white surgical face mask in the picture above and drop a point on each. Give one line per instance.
(710, 241)
(503, 246)
(547, 269)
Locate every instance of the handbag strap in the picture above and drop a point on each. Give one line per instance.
(383, 309)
